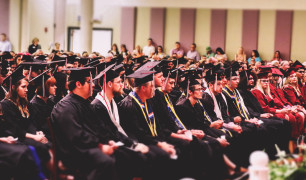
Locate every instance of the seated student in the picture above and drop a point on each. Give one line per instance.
(280, 129)
(300, 72)
(109, 128)
(170, 120)
(17, 118)
(264, 97)
(17, 161)
(139, 121)
(76, 140)
(42, 103)
(193, 115)
(293, 92)
(237, 110)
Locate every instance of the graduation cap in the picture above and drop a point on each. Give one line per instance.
(187, 83)
(103, 72)
(264, 71)
(34, 66)
(41, 80)
(27, 58)
(40, 58)
(13, 78)
(232, 70)
(57, 58)
(139, 59)
(119, 68)
(71, 59)
(6, 55)
(119, 59)
(182, 60)
(142, 77)
(79, 73)
(214, 74)
(92, 63)
(297, 65)
(290, 72)
(149, 66)
(276, 72)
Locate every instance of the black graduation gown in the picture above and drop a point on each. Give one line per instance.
(134, 122)
(16, 161)
(40, 114)
(61, 91)
(154, 160)
(204, 153)
(17, 126)
(279, 129)
(76, 139)
(193, 117)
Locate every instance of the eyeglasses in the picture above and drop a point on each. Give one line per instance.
(301, 71)
(251, 79)
(199, 89)
(264, 80)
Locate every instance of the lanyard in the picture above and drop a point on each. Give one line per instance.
(237, 103)
(172, 111)
(144, 108)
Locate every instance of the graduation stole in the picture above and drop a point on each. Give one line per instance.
(209, 119)
(172, 112)
(147, 112)
(236, 101)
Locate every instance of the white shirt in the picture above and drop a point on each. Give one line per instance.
(5, 46)
(148, 50)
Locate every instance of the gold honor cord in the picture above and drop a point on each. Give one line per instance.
(151, 127)
(207, 117)
(242, 112)
(172, 108)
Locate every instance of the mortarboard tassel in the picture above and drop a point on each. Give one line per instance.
(43, 85)
(90, 85)
(166, 81)
(30, 71)
(215, 88)
(188, 87)
(10, 85)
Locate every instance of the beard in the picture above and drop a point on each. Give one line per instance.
(118, 93)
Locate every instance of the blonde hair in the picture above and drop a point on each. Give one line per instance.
(35, 39)
(295, 86)
(266, 92)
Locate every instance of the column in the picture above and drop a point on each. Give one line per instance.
(4, 14)
(187, 28)
(283, 33)
(128, 20)
(86, 25)
(157, 25)
(250, 30)
(218, 29)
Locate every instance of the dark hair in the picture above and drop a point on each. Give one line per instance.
(244, 84)
(256, 53)
(195, 45)
(220, 50)
(177, 43)
(3, 34)
(72, 83)
(22, 103)
(124, 46)
(150, 39)
(159, 47)
(117, 52)
(279, 54)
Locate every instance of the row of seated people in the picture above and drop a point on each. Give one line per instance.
(168, 124)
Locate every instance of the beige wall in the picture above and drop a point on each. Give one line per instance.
(28, 18)
(233, 33)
